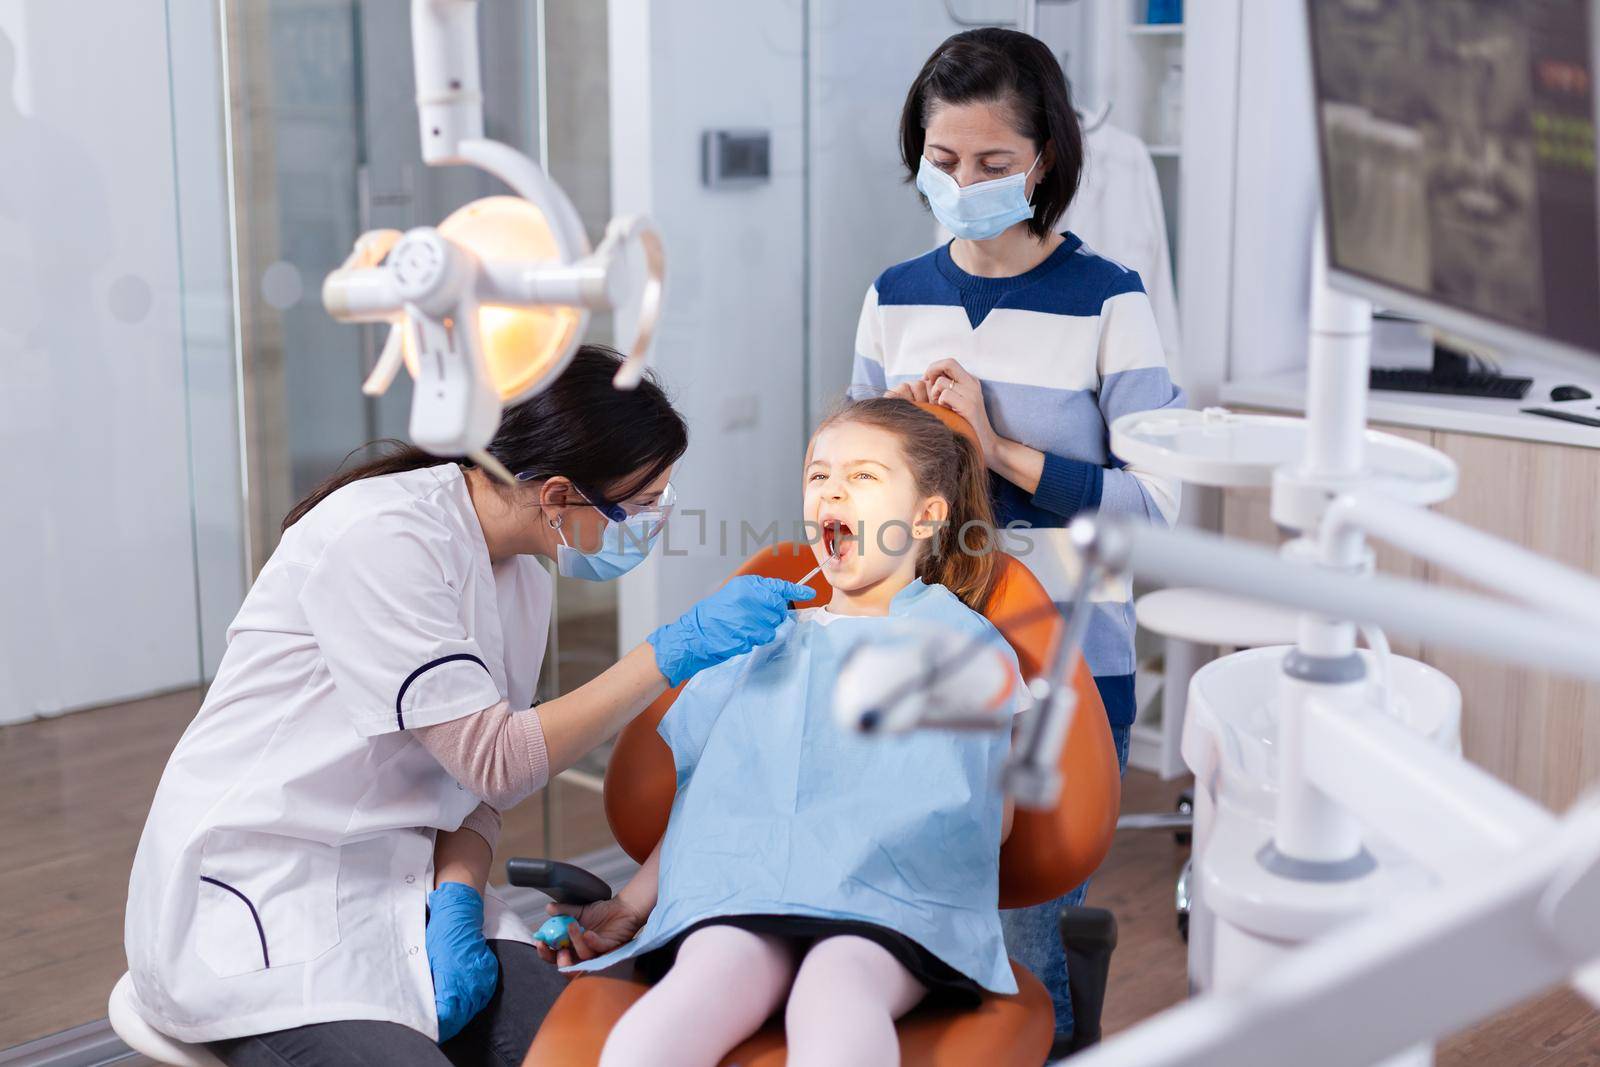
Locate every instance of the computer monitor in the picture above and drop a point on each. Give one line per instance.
(1457, 143)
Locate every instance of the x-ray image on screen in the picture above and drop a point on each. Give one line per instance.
(1458, 155)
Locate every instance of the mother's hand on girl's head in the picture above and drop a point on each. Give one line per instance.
(913, 390)
(950, 385)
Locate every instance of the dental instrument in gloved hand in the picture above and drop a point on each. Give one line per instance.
(744, 613)
(465, 971)
(833, 554)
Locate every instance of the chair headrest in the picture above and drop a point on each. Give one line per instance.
(951, 419)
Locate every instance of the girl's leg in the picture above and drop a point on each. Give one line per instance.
(844, 1003)
(722, 987)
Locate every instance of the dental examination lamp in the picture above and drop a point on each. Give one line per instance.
(487, 308)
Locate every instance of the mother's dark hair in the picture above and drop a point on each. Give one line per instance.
(607, 441)
(1016, 71)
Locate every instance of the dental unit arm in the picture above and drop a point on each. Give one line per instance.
(432, 285)
(1515, 888)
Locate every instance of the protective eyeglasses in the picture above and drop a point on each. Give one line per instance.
(658, 509)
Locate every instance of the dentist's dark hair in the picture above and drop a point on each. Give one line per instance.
(610, 441)
(1017, 72)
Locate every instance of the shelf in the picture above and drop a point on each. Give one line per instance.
(1164, 151)
(1156, 29)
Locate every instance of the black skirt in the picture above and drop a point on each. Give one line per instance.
(947, 987)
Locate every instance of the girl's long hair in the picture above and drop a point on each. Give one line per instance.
(964, 556)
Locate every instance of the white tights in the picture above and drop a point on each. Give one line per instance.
(843, 998)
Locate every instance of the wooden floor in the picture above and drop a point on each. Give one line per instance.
(75, 791)
(1137, 882)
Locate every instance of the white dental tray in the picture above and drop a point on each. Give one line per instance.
(1218, 447)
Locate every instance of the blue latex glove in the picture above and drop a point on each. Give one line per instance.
(465, 972)
(736, 618)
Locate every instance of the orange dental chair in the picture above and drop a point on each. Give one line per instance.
(1048, 853)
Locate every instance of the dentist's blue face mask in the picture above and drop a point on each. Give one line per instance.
(978, 211)
(629, 536)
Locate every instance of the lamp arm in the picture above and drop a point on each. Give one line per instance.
(528, 180)
(444, 53)
(444, 49)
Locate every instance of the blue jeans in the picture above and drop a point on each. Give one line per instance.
(1033, 935)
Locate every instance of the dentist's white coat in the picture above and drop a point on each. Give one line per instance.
(283, 874)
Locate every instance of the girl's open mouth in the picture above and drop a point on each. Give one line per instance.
(836, 538)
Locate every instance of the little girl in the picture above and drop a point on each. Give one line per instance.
(843, 877)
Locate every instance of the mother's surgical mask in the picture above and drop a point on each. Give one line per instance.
(978, 211)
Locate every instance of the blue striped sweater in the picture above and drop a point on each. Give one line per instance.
(1062, 351)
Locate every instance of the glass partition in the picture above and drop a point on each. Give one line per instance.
(122, 546)
(170, 385)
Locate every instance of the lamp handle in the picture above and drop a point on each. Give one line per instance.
(362, 288)
(643, 232)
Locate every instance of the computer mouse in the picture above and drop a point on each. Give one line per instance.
(1569, 392)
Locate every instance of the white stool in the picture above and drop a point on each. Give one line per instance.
(123, 1012)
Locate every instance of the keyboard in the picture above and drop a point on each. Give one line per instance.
(1417, 380)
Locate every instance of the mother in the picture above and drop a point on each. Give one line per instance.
(1036, 340)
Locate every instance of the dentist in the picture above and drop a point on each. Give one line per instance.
(310, 887)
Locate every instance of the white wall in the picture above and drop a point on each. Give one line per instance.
(117, 407)
(1250, 190)
(1210, 146)
(863, 215)
(1249, 187)
(1277, 190)
(730, 338)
